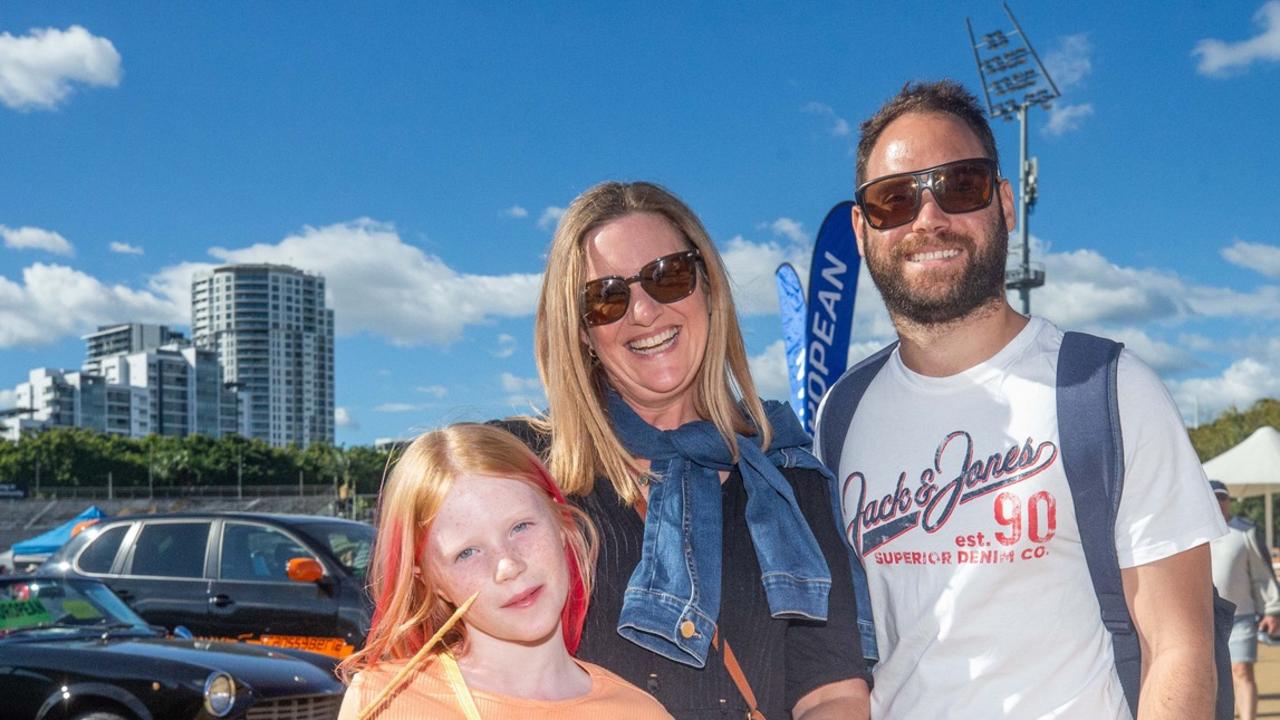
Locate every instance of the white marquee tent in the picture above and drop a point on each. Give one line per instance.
(1250, 469)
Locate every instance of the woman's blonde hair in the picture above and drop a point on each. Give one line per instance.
(583, 444)
(407, 607)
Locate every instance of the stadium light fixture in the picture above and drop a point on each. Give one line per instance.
(1013, 81)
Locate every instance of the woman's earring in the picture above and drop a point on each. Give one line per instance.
(591, 353)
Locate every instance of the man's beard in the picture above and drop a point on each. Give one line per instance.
(981, 281)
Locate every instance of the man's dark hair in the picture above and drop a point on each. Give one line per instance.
(941, 96)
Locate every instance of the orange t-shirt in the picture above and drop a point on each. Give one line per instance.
(429, 695)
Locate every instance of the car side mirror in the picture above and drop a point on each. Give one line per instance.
(304, 569)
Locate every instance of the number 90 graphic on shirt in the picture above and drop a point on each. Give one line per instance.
(1038, 519)
(1042, 518)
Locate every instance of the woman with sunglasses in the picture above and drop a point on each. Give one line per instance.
(724, 582)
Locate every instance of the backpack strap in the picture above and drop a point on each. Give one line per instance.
(1093, 461)
(831, 427)
(835, 413)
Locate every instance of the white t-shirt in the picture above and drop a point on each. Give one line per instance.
(955, 497)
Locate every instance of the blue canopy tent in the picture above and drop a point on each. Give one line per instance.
(40, 547)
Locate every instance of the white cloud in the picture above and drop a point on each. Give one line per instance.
(1198, 343)
(1064, 118)
(770, 372)
(435, 391)
(516, 211)
(1258, 257)
(342, 418)
(751, 267)
(506, 346)
(37, 70)
(514, 384)
(524, 395)
(1069, 64)
(173, 283)
(1220, 58)
(1069, 61)
(791, 229)
(839, 127)
(1164, 357)
(125, 249)
(1084, 289)
(376, 283)
(397, 408)
(34, 238)
(54, 301)
(1240, 385)
(550, 216)
(379, 284)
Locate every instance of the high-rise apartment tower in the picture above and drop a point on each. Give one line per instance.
(274, 339)
(123, 339)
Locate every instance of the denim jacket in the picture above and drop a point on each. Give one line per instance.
(672, 600)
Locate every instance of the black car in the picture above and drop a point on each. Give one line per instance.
(71, 650)
(282, 580)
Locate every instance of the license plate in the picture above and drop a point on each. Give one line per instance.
(334, 647)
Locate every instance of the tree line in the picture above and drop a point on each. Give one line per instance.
(75, 457)
(1227, 431)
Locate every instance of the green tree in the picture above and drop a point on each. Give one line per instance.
(1230, 429)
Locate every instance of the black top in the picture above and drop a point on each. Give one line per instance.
(783, 660)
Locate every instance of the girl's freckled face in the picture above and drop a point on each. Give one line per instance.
(499, 537)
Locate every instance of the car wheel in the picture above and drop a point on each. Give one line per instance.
(100, 715)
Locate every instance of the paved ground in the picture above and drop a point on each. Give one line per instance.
(1267, 672)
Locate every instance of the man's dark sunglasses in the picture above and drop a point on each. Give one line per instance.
(958, 187)
(668, 279)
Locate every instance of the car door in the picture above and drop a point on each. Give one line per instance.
(252, 594)
(164, 578)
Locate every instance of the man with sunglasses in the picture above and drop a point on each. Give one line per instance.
(954, 493)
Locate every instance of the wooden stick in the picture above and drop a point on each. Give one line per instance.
(413, 663)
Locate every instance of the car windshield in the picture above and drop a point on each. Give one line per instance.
(54, 605)
(350, 542)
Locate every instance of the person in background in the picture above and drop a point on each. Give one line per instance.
(1242, 573)
(723, 585)
(471, 526)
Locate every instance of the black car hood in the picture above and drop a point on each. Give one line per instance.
(269, 672)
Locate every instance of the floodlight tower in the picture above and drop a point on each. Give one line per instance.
(1009, 66)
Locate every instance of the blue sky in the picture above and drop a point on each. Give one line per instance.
(418, 154)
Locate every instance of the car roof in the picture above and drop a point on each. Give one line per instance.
(281, 518)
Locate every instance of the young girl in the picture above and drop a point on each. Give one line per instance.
(481, 575)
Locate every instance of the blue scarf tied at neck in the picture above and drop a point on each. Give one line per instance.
(672, 601)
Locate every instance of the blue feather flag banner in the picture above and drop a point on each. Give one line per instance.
(833, 282)
(791, 311)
